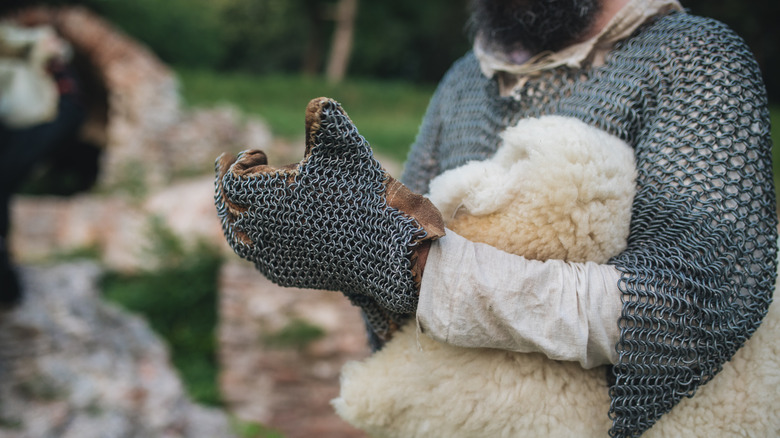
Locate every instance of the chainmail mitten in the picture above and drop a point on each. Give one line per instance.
(334, 221)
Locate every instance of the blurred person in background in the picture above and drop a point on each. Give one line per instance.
(40, 110)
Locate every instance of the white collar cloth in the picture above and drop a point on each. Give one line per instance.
(593, 51)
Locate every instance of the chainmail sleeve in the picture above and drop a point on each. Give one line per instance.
(422, 163)
(462, 123)
(699, 271)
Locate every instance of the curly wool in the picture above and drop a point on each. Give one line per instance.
(418, 387)
(556, 189)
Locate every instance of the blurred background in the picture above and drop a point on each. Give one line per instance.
(285, 51)
(203, 345)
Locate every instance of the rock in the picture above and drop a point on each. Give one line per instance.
(72, 365)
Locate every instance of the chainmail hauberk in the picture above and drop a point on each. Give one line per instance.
(699, 271)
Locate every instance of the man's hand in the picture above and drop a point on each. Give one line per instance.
(334, 221)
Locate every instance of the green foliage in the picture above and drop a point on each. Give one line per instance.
(296, 334)
(179, 300)
(405, 39)
(409, 39)
(248, 429)
(387, 113)
(167, 248)
(90, 252)
(181, 32)
(264, 35)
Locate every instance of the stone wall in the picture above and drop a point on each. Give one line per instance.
(116, 228)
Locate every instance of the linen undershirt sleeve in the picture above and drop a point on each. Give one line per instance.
(474, 295)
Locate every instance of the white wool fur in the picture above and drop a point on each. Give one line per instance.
(418, 387)
(556, 189)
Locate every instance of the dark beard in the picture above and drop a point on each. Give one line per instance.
(532, 26)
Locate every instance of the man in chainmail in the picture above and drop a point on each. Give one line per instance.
(698, 274)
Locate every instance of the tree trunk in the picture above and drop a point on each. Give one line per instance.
(341, 47)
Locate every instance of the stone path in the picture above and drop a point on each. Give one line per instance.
(288, 388)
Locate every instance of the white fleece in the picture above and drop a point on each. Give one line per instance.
(416, 387)
(555, 189)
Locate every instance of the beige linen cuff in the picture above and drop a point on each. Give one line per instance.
(474, 295)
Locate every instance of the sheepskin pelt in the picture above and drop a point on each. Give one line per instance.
(555, 189)
(418, 387)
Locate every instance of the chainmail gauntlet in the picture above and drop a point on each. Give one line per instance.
(335, 221)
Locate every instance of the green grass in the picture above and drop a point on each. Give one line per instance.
(387, 113)
(246, 429)
(179, 300)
